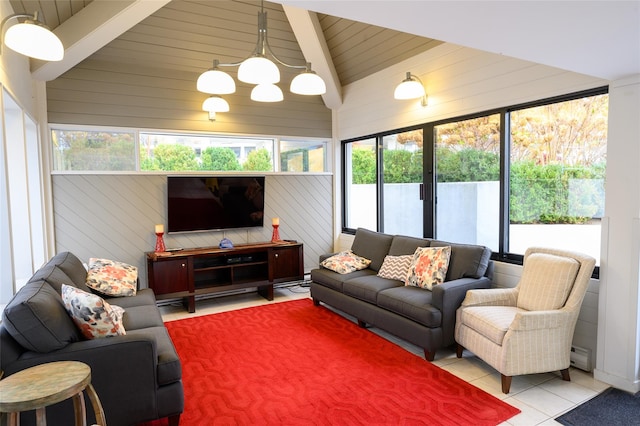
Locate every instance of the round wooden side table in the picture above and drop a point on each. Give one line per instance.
(42, 385)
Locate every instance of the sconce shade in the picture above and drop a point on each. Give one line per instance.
(308, 83)
(215, 104)
(32, 38)
(409, 89)
(258, 70)
(266, 93)
(217, 82)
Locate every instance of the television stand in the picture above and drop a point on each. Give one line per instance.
(192, 272)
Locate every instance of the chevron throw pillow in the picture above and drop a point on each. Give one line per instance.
(395, 267)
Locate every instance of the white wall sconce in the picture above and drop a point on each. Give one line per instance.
(411, 88)
(32, 38)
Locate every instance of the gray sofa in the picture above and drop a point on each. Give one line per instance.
(423, 317)
(137, 376)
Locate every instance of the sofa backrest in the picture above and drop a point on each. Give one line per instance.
(63, 268)
(371, 245)
(402, 245)
(467, 260)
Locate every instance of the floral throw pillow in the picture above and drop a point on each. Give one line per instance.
(112, 278)
(94, 316)
(428, 267)
(345, 262)
(395, 267)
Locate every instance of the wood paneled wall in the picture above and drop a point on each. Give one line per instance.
(113, 216)
(105, 93)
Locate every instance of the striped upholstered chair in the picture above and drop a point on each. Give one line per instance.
(529, 328)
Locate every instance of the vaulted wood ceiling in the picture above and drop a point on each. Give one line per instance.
(187, 35)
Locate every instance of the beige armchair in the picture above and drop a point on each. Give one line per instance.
(527, 329)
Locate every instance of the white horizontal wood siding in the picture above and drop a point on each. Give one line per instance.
(113, 216)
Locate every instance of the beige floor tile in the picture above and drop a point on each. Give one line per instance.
(544, 401)
(529, 415)
(569, 390)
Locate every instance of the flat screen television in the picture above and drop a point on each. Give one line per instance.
(213, 203)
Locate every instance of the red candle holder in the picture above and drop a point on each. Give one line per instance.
(275, 237)
(160, 248)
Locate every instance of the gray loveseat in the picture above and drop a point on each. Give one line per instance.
(423, 317)
(137, 376)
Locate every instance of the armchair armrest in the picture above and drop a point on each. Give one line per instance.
(539, 320)
(491, 297)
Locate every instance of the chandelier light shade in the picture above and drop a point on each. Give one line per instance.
(32, 38)
(266, 93)
(308, 83)
(258, 70)
(262, 71)
(215, 81)
(411, 88)
(215, 104)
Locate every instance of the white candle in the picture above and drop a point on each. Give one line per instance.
(160, 229)
(275, 221)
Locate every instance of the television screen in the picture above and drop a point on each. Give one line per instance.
(209, 203)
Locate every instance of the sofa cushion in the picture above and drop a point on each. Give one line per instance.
(467, 260)
(63, 268)
(406, 245)
(137, 317)
(94, 317)
(372, 245)
(335, 280)
(345, 262)
(411, 302)
(546, 281)
(143, 297)
(395, 267)
(428, 267)
(367, 287)
(169, 368)
(36, 318)
(112, 278)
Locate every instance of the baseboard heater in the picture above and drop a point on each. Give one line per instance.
(581, 358)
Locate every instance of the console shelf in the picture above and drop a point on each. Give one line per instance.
(198, 271)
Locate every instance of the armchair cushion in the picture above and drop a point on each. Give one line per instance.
(546, 281)
(490, 321)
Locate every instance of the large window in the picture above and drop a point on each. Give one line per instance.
(124, 150)
(509, 179)
(556, 179)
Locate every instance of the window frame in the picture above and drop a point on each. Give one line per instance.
(277, 139)
(429, 167)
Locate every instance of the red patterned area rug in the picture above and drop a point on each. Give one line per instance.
(293, 363)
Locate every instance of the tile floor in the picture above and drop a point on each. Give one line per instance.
(540, 397)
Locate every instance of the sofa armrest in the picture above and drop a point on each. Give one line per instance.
(123, 372)
(447, 298)
(325, 256)
(491, 297)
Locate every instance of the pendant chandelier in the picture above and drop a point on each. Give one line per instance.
(261, 71)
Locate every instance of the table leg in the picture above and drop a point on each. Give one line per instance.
(41, 416)
(14, 419)
(97, 406)
(80, 409)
